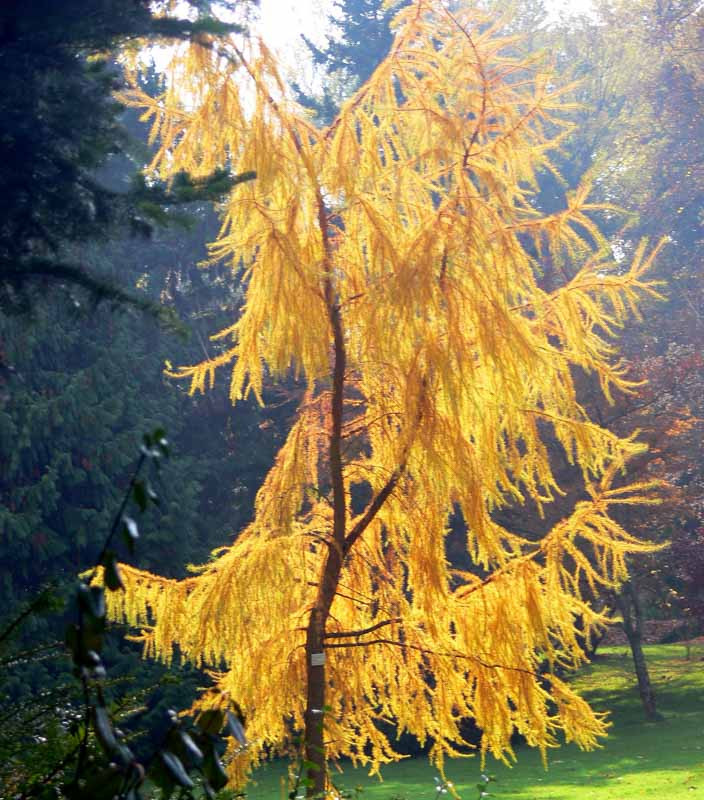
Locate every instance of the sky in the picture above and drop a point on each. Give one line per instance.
(285, 20)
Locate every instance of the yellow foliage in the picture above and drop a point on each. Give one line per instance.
(387, 260)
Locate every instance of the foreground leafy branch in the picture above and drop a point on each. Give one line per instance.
(189, 753)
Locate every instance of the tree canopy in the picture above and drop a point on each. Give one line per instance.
(390, 261)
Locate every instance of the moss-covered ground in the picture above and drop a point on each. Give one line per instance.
(662, 761)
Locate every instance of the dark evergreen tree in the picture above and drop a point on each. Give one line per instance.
(79, 389)
(79, 385)
(59, 123)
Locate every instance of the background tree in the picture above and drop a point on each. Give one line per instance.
(410, 213)
(623, 134)
(360, 36)
(647, 148)
(79, 386)
(67, 433)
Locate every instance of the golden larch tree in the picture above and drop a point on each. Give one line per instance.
(392, 261)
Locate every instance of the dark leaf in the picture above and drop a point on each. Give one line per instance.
(91, 599)
(235, 728)
(152, 495)
(213, 769)
(175, 768)
(211, 721)
(113, 579)
(94, 670)
(104, 730)
(139, 493)
(156, 445)
(191, 751)
(130, 533)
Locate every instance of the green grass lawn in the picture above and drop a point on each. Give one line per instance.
(663, 761)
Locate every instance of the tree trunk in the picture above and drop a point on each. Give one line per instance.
(632, 613)
(314, 735)
(315, 707)
(340, 543)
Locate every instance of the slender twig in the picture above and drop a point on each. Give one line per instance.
(17, 657)
(443, 268)
(427, 651)
(485, 84)
(118, 517)
(362, 631)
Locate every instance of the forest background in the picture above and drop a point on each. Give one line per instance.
(80, 382)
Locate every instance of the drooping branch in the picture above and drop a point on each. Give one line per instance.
(482, 74)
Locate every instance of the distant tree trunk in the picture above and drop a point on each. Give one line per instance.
(628, 603)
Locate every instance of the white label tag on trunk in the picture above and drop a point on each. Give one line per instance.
(317, 659)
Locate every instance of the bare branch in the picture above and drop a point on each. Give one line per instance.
(373, 508)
